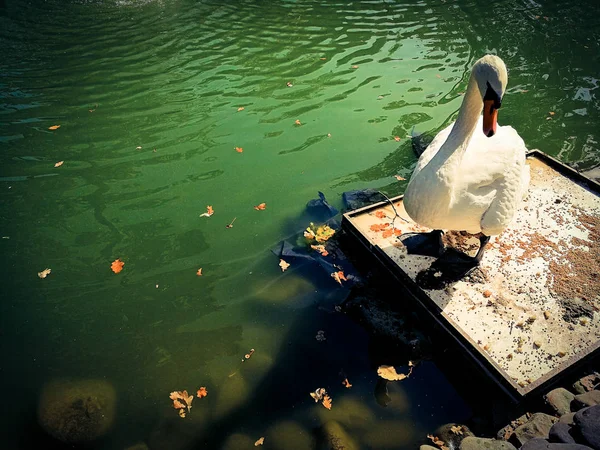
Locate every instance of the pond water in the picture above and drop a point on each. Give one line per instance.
(148, 95)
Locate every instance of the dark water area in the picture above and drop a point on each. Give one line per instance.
(147, 95)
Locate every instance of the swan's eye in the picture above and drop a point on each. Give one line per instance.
(491, 94)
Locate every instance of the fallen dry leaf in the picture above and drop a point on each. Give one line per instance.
(297, 122)
(437, 441)
(328, 135)
(397, 138)
(231, 224)
(283, 265)
(58, 164)
(456, 429)
(339, 276)
(487, 293)
(261, 207)
(260, 441)
(239, 149)
(399, 178)
(289, 84)
(323, 59)
(309, 234)
(139, 147)
(117, 265)
(199, 272)
(389, 373)
(241, 108)
(321, 249)
(380, 214)
(209, 212)
(44, 273)
(379, 226)
(355, 67)
(181, 401)
(346, 383)
(327, 401)
(54, 127)
(551, 113)
(318, 394)
(202, 392)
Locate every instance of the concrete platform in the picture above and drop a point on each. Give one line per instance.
(532, 309)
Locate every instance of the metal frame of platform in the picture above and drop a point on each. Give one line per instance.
(425, 304)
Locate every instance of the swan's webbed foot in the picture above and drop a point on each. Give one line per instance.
(451, 267)
(426, 244)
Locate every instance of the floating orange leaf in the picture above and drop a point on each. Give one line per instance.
(241, 108)
(199, 272)
(181, 401)
(239, 149)
(379, 214)
(551, 113)
(117, 265)
(437, 441)
(320, 249)
(318, 394)
(44, 273)
(202, 392)
(54, 127)
(397, 138)
(327, 401)
(399, 178)
(260, 441)
(209, 212)
(58, 164)
(346, 383)
(283, 265)
(260, 207)
(387, 233)
(339, 276)
(297, 122)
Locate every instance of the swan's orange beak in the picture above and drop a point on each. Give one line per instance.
(490, 118)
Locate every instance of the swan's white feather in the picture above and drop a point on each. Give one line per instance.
(481, 194)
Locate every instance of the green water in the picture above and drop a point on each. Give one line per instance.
(169, 77)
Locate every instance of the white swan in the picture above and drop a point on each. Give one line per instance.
(473, 175)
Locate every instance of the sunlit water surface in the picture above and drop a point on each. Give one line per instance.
(147, 94)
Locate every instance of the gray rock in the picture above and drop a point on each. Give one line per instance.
(587, 383)
(475, 443)
(559, 400)
(588, 399)
(538, 426)
(588, 424)
(567, 418)
(453, 440)
(542, 444)
(561, 432)
(505, 433)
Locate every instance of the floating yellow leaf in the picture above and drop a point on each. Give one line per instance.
(58, 164)
(284, 265)
(241, 108)
(54, 127)
(389, 373)
(44, 273)
(117, 265)
(260, 441)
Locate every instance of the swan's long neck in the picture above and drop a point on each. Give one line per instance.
(450, 154)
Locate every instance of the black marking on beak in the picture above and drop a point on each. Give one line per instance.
(491, 94)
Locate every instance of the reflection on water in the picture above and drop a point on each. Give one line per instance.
(147, 95)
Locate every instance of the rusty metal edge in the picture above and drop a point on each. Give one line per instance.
(479, 357)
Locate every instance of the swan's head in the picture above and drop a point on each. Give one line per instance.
(491, 76)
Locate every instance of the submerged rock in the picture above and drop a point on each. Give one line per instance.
(289, 435)
(76, 411)
(587, 383)
(335, 437)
